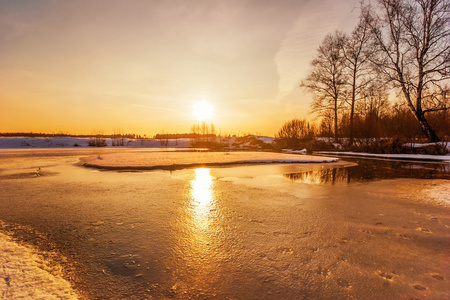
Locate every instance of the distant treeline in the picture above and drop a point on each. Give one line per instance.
(159, 136)
(169, 136)
(40, 134)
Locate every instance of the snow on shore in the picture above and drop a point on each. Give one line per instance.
(422, 157)
(71, 142)
(177, 160)
(23, 275)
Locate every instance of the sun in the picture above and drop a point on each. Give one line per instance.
(202, 111)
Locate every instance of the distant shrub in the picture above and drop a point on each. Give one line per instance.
(380, 146)
(295, 134)
(431, 149)
(118, 141)
(319, 145)
(398, 146)
(307, 143)
(295, 129)
(97, 142)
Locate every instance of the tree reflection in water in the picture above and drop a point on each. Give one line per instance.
(372, 169)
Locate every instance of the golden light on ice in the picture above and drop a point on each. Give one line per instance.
(202, 227)
(203, 110)
(202, 193)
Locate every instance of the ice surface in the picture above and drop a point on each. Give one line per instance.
(193, 234)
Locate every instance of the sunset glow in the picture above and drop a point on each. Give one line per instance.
(203, 111)
(86, 66)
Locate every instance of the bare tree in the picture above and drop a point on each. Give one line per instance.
(327, 78)
(357, 51)
(413, 40)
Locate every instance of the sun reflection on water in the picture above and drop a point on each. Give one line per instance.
(200, 244)
(202, 196)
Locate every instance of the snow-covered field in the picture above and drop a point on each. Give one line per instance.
(25, 274)
(72, 142)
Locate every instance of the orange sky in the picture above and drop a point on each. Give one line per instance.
(140, 66)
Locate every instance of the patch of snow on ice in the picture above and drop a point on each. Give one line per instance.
(290, 151)
(23, 275)
(440, 194)
(177, 160)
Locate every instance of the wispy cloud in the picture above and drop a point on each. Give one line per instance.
(151, 107)
(315, 20)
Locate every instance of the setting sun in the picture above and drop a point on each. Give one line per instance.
(202, 111)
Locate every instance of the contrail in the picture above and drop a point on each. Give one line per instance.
(161, 108)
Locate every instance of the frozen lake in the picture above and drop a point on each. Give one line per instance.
(364, 229)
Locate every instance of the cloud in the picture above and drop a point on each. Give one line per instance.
(316, 19)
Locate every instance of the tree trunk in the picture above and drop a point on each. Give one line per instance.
(352, 111)
(336, 138)
(426, 128)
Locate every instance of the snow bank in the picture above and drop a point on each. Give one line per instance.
(179, 160)
(40, 142)
(71, 142)
(392, 156)
(23, 275)
(75, 142)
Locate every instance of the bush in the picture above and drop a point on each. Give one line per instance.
(397, 146)
(318, 145)
(97, 142)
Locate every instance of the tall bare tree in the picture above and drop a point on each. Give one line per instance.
(357, 51)
(413, 40)
(327, 79)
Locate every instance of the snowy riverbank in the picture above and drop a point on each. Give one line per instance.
(83, 142)
(418, 157)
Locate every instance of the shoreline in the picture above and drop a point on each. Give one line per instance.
(400, 157)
